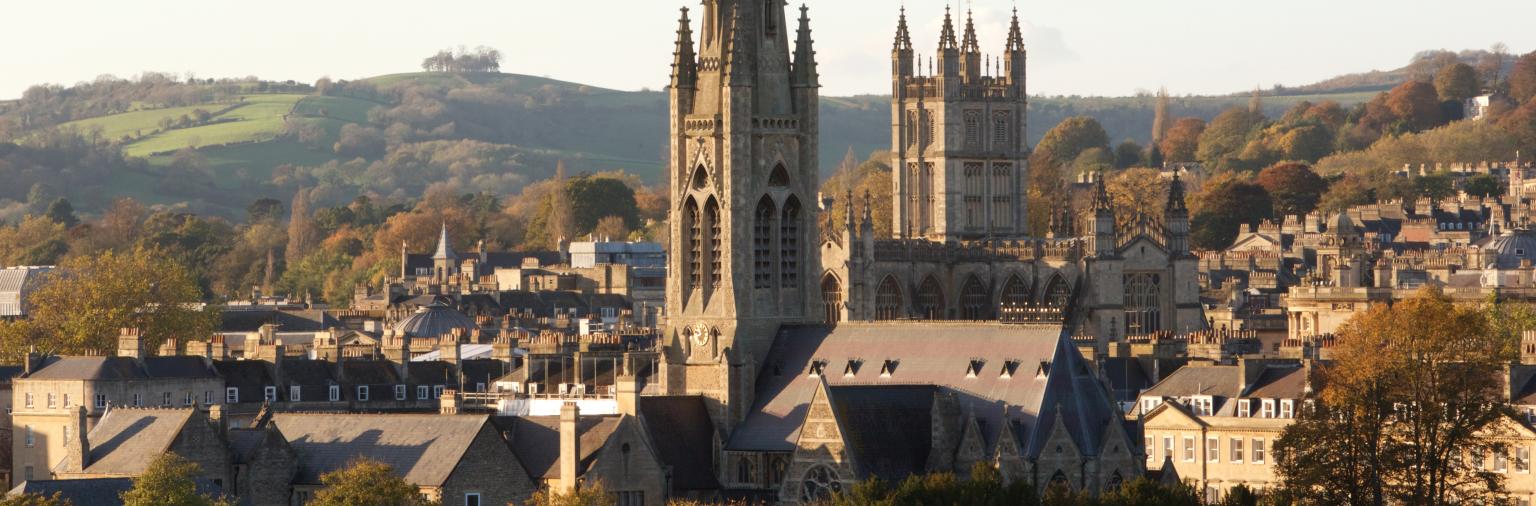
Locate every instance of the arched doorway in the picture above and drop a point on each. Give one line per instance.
(888, 303)
(831, 299)
(930, 300)
(975, 302)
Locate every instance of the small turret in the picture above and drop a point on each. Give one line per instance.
(901, 50)
(1014, 55)
(970, 51)
(1103, 219)
(1176, 219)
(685, 70)
(949, 48)
(804, 73)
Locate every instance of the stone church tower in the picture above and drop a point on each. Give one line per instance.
(743, 171)
(958, 132)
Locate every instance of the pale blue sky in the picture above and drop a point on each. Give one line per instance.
(1084, 47)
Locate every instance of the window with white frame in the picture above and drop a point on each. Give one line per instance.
(1149, 403)
(1267, 408)
(1522, 459)
(186, 398)
(51, 403)
(1258, 451)
(101, 401)
(472, 499)
(437, 391)
(66, 401)
(362, 392)
(399, 392)
(1236, 445)
(1150, 450)
(1189, 448)
(1212, 449)
(30, 439)
(1167, 448)
(165, 399)
(1203, 405)
(422, 391)
(1287, 408)
(269, 394)
(207, 397)
(28, 399)
(1243, 406)
(231, 395)
(335, 393)
(294, 393)
(1500, 461)
(138, 400)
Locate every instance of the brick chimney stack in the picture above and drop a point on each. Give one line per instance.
(130, 343)
(570, 447)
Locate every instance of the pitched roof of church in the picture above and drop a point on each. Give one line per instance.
(1044, 375)
(684, 437)
(888, 428)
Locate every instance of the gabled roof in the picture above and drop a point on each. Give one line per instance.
(888, 429)
(536, 441)
(422, 448)
(684, 436)
(124, 437)
(938, 354)
(1212, 380)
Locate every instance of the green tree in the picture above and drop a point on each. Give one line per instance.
(1457, 82)
(169, 481)
(1144, 491)
(1093, 160)
(1293, 188)
(592, 198)
(1226, 136)
(264, 209)
(1127, 155)
(1063, 143)
(1521, 124)
(61, 212)
(591, 495)
(81, 306)
(367, 482)
(1222, 207)
(35, 500)
(1436, 187)
(1483, 185)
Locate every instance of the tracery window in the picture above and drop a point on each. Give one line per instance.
(975, 302)
(762, 244)
(832, 299)
(888, 300)
(789, 244)
(1143, 310)
(973, 129)
(930, 299)
(1000, 130)
(819, 484)
(1057, 294)
(1015, 293)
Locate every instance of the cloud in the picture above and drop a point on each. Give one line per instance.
(1047, 46)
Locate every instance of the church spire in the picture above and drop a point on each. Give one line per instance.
(805, 73)
(684, 64)
(444, 248)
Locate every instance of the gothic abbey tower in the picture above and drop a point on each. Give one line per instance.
(744, 175)
(958, 134)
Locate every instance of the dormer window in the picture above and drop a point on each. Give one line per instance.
(1287, 408)
(1009, 367)
(852, 369)
(1044, 370)
(1202, 405)
(1243, 408)
(888, 368)
(1267, 409)
(817, 367)
(974, 367)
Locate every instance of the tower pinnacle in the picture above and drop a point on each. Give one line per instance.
(684, 64)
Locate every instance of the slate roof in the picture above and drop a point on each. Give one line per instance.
(423, 448)
(684, 436)
(369, 372)
(536, 441)
(1129, 376)
(243, 442)
(434, 320)
(124, 368)
(482, 371)
(308, 372)
(95, 491)
(888, 429)
(1213, 380)
(1279, 382)
(249, 376)
(123, 437)
(251, 320)
(939, 354)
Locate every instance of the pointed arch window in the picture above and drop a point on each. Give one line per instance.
(789, 244)
(1057, 294)
(930, 299)
(832, 299)
(975, 302)
(1143, 309)
(1015, 293)
(712, 215)
(762, 244)
(888, 302)
(779, 178)
(695, 243)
